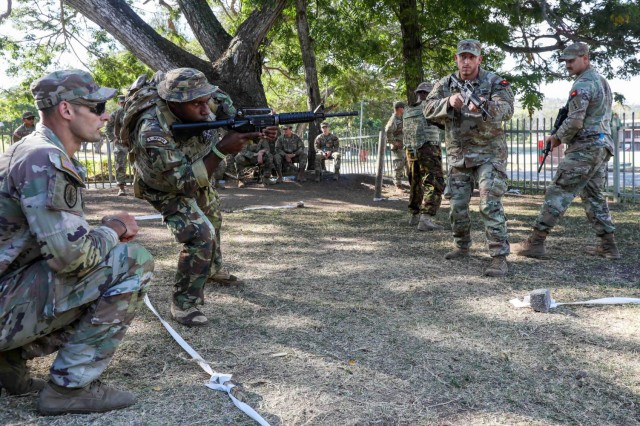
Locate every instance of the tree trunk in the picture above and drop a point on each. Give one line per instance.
(407, 12)
(310, 73)
(235, 66)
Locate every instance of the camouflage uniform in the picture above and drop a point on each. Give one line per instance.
(290, 145)
(587, 133)
(329, 143)
(169, 173)
(120, 152)
(249, 157)
(476, 151)
(394, 138)
(422, 143)
(22, 131)
(63, 285)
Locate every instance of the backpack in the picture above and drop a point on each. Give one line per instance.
(142, 95)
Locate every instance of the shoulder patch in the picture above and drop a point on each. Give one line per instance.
(157, 139)
(504, 83)
(572, 94)
(70, 195)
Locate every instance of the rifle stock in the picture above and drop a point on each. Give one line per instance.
(562, 115)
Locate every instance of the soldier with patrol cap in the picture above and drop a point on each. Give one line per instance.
(290, 149)
(173, 173)
(120, 152)
(476, 151)
(587, 133)
(255, 154)
(394, 139)
(327, 145)
(421, 141)
(27, 126)
(64, 285)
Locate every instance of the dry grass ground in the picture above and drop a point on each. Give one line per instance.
(373, 327)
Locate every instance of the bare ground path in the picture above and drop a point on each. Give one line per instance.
(350, 317)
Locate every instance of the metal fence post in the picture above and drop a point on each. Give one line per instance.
(381, 147)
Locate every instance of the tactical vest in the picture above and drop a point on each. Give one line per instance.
(416, 129)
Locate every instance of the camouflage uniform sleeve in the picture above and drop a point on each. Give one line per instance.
(109, 127)
(264, 145)
(51, 197)
(501, 103)
(168, 163)
(578, 102)
(299, 144)
(436, 107)
(336, 143)
(318, 142)
(390, 128)
(279, 149)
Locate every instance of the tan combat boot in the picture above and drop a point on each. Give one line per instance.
(606, 248)
(457, 253)
(96, 397)
(426, 223)
(533, 246)
(14, 375)
(414, 219)
(498, 267)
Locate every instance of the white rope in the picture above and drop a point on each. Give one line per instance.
(218, 381)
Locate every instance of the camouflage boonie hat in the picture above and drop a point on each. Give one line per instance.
(28, 114)
(424, 87)
(324, 124)
(469, 46)
(184, 85)
(574, 50)
(67, 85)
(398, 104)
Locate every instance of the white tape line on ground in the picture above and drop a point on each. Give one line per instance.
(218, 381)
(299, 204)
(524, 303)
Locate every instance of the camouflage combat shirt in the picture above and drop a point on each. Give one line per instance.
(470, 140)
(327, 143)
(289, 145)
(42, 210)
(394, 129)
(590, 102)
(109, 128)
(22, 131)
(251, 150)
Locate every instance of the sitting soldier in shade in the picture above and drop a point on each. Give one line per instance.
(327, 145)
(290, 149)
(255, 154)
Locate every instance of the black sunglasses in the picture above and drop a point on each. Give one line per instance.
(97, 109)
(29, 118)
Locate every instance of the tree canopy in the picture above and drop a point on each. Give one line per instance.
(373, 50)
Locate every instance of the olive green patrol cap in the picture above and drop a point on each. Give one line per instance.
(324, 124)
(184, 85)
(424, 87)
(469, 46)
(28, 114)
(67, 85)
(574, 50)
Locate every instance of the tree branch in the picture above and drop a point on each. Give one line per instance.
(213, 38)
(254, 29)
(7, 13)
(116, 17)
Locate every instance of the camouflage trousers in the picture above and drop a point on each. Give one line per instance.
(398, 164)
(579, 172)
(195, 223)
(84, 321)
(242, 162)
(120, 155)
(301, 159)
(426, 179)
(491, 179)
(335, 156)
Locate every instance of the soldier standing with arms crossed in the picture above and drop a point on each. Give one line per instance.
(476, 151)
(394, 138)
(587, 133)
(64, 285)
(421, 140)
